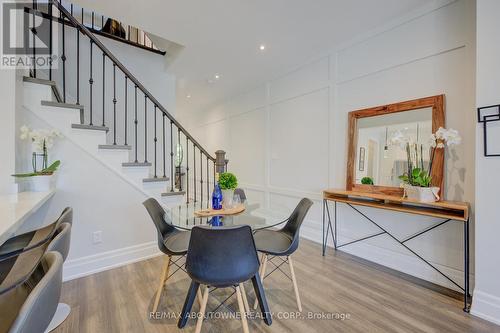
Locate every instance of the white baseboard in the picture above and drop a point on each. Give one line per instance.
(486, 306)
(88, 265)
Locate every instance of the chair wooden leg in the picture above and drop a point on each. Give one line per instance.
(245, 300)
(163, 278)
(262, 272)
(295, 288)
(202, 311)
(242, 309)
(199, 295)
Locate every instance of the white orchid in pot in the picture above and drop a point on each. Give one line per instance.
(42, 140)
(417, 181)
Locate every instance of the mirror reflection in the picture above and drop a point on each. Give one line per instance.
(378, 162)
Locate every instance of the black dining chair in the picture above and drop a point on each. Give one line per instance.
(30, 306)
(241, 193)
(171, 241)
(223, 257)
(282, 243)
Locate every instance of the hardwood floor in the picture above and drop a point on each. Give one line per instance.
(369, 299)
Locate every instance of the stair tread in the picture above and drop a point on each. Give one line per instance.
(38, 80)
(90, 127)
(63, 105)
(168, 194)
(136, 164)
(157, 179)
(117, 147)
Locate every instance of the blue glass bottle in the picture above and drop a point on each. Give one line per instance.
(217, 197)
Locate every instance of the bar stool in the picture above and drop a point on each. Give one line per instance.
(30, 306)
(60, 243)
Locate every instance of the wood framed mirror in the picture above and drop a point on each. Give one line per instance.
(373, 164)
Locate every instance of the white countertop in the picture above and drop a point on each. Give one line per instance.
(16, 208)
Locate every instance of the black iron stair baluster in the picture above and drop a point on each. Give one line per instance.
(194, 171)
(77, 65)
(114, 104)
(135, 125)
(33, 31)
(63, 57)
(187, 170)
(103, 88)
(201, 177)
(180, 171)
(155, 140)
(208, 183)
(172, 180)
(91, 81)
(50, 39)
(126, 104)
(164, 143)
(145, 128)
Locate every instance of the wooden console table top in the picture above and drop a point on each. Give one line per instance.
(453, 210)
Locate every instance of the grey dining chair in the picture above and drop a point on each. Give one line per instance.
(283, 243)
(29, 307)
(171, 241)
(241, 193)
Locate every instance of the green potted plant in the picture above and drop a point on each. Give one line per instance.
(42, 177)
(227, 183)
(367, 181)
(417, 181)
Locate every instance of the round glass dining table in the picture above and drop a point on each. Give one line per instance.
(183, 217)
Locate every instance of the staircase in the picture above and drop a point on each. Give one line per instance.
(128, 131)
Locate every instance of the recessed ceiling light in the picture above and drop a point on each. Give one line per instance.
(188, 96)
(217, 76)
(262, 47)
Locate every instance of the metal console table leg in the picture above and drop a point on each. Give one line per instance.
(327, 228)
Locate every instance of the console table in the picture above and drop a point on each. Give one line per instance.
(446, 210)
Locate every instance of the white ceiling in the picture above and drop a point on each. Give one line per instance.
(223, 36)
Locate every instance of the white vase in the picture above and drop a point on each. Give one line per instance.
(227, 198)
(422, 194)
(42, 183)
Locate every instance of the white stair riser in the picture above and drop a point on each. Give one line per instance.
(35, 93)
(88, 139)
(173, 200)
(136, 174)
(113, 158)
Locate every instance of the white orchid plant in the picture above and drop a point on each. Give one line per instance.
(418, 174)
(42, 140)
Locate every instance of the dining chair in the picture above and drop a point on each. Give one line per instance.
(34, 238)
(241, 193)
(30, 306)
(223, 257)
(282, 243)
(171, 241)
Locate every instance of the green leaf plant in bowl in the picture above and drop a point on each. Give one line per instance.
(227, 182)
(45, 172)
(367, 181)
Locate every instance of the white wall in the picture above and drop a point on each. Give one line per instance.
(486, 302)
(7, 129)
(287, 138)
